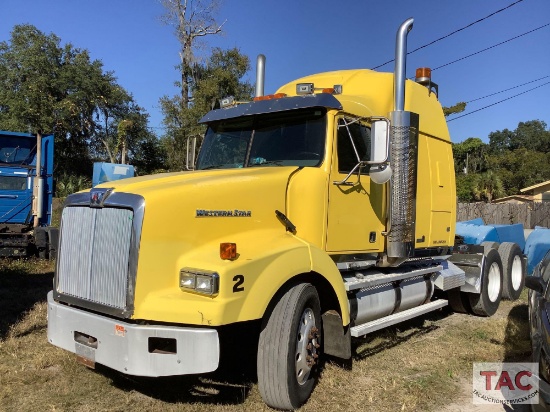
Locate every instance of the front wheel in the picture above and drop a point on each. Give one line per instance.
(289, 349)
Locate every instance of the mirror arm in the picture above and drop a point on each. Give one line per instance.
(359, 166)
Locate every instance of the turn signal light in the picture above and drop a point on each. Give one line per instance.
(228, 251)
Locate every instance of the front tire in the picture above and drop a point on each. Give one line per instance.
(289, 349)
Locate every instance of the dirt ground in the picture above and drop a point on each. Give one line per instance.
(421, 365)
(464, 403)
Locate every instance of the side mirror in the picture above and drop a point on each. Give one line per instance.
(380, 171)
(379, 143)
(534, 283)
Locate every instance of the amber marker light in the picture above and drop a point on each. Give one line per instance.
(228, 251)
(269, 97)
(423, 74)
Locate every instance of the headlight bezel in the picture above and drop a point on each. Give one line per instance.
(196, 277)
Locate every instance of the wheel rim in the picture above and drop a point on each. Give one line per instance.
(517, 272)
(307, 346)
(493, 288)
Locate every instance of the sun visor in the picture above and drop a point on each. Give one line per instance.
(273, 106)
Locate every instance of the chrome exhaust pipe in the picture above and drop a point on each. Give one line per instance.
(403, 157)
(401, 65)
(260, 75)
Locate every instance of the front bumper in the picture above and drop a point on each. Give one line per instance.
(129, 348)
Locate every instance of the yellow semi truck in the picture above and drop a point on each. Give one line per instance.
(320, 213)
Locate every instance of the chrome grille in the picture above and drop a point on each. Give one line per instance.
(94, 255)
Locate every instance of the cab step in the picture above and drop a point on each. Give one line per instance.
(372, 326)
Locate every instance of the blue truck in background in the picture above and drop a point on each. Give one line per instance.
(26, 194)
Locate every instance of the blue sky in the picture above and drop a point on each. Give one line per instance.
(305, 37)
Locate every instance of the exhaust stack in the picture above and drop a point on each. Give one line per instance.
(401, 65)
(260, 75)
(403, 157)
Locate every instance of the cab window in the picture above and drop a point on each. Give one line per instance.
(353, 144)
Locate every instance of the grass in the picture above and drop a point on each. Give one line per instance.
(418, 365)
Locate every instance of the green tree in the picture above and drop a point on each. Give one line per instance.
(465, 187)
(470, 156)
(202, 83)
(532, 135)
(500, 141)
(520, 168)
(126, 138)
(457, 108)
(488, 186)
(54, 88)
(220, 76)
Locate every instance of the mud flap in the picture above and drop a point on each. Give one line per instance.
(336, 338)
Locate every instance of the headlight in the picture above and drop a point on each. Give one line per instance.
(200, 281)
(187, 280)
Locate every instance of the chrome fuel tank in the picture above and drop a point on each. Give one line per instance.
(383, 300)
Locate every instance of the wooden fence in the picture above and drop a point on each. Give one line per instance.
(531, 215)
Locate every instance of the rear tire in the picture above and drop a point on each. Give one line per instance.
(489, 245)
(289, 349)
(513, 270)
(486, 303)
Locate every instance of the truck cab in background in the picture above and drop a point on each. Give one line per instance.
(26, 193)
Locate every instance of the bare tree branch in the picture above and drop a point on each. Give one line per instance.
(191, 19)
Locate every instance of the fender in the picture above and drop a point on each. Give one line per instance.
(247, 285)
(296, 258)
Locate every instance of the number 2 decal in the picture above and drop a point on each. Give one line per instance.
(239, 280)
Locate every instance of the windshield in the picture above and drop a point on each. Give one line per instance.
(292, 138)
(16, 150)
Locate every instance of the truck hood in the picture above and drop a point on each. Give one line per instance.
(193, 208)
(220, 182)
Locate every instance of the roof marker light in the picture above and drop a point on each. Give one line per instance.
(270, 97)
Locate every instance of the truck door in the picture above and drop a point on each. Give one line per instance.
(356, 209)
